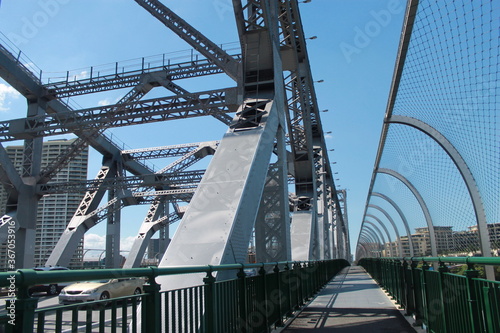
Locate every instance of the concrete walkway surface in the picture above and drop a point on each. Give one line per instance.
(351, 303)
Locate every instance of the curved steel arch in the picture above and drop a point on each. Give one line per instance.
(375, 228)
(400, 246)
(401, 214)
(370, 234)
(386, 231)
(376, 232)
(421, 202)
(405, 223)
(371, 241)
(368, 243)
(464, 170)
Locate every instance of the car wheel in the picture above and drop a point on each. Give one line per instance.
(52, 290)
(102, 305)
(104, 295)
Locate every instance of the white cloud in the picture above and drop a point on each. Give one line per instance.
(328, 136)
(7, 92)
(98, 243)
(104, 102)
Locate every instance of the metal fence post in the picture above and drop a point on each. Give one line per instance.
(151, 314)
(243, 300)
(279, 295)
(471, 273)
(425, 267)
(443, 269)
(210, 303)
(24, 305)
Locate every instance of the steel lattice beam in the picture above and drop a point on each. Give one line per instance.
(140, 112)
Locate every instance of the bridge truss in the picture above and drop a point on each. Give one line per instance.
(269, 173)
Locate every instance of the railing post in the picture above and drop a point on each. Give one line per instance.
(243, 300)
(443, 269)
(471, 273)
(151, 314)
(425, 267)
(210, 303)
(264, 299)
(279, 295)
(287, 281)
(24, 319)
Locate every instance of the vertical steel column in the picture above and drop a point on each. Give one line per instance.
(27, 199)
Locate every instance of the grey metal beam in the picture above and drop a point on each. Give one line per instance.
(140, 112)
(119, 80)
(80, 222)
(20, 78)
(166, 151)
(192, 36)
(142, 182)
(9, 177)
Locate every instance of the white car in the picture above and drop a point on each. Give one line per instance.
(100, 290)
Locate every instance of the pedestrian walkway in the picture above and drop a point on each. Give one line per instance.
(352, 302)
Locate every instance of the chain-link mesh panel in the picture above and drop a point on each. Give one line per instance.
(449, 81)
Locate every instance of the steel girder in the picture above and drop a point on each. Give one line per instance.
(193, 37)
(121, 187)
(272, 227)
(152, 223)
(21, 79)
(303, 119)
(84, 218)
(81, 142)
(166, 151)
(139, 112)
(119, 80)
(140, 183)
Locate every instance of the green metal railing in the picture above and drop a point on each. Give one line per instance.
(244, 304)
(442, 301)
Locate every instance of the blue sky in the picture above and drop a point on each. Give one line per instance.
(354, 54)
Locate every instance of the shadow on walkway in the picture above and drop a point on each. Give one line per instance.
(352, 302)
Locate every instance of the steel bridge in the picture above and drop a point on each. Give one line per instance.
(430, 233)
(269, 174)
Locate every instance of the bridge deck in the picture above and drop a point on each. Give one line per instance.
(352, 302)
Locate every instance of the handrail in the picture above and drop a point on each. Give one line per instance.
(457, 260)
(28, 277)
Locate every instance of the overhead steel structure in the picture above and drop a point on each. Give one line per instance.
(274, 137)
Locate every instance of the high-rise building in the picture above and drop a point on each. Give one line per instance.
(54, 210)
